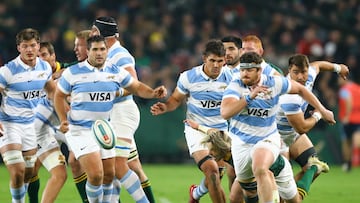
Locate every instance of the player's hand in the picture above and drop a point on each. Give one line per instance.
(328, 116)
(158, 108)
(192, 123)
(64, 126)
(261, 89)
(344, 72)
(160, 92)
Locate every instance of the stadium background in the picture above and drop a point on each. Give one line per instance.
(166, 38)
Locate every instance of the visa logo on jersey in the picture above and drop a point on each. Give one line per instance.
(258, 112)
(210, 104)
(32, 94)
(100, 96)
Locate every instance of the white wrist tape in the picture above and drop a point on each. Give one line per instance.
(317, 116)
(337, 68)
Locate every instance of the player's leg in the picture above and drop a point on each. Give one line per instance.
(79, 176)
(300, 151)
(210, 169)
(207, 165)
(34, 184)
(87, 151)
(135, 165)
(125, 118)
(108, 160)
(263, 155)
(54, 161)
(285, 182)
(18, 149)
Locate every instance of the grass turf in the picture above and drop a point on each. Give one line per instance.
(170, 184)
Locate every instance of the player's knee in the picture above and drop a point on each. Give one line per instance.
(122, 148)
(249, 187)
(12, 157)
(54, 159)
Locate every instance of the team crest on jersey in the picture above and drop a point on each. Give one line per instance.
(111, 77)
(222, 87)
(41, 75)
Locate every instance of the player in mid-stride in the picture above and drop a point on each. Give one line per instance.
(92, 86)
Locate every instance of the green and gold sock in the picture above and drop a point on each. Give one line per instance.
(33, 189)
(80, 183)
(304, 183)
(146, 185)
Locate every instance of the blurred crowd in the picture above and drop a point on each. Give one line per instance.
(166, 36)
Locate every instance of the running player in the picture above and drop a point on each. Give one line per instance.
(291, 122)
(202, 86)
(91, 99)
(250, 103)
(125, 117)
(22, 81)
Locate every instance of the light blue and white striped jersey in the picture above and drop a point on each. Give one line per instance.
(120, 56)
(293, 104)
(204, 96)
(257, 120)
(45, 112)
(92, 91)
(23, 86)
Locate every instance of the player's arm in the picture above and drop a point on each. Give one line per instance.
(171, 104)
(297, 88)
(300, 124)
(341, 69)
(197, 126)
(142, 90)
(60, 106)
(231, 106)
(50, 88)
(132, 71)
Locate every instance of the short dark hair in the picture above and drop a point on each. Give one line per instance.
(48, 46)
(299, 60)
(234, 39)
(251, 57)
(95, 38)
(214, 46)
(26, 35)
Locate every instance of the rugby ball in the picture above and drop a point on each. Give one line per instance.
(103, 133)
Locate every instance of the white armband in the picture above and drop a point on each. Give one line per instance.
(337, 68)
(317, 116)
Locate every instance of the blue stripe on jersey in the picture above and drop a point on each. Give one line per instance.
(293, 104)
(248, 138)
(205, 95)
(24, 86)
(290, 107)
(121, 57)
(98, 86)
(92, 91)
(257, 120)
(250, 120)
(16, 119)
(92, 106)
(201, 111)
(21, 103)
(83, 123)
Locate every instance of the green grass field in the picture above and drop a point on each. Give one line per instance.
(170, 184)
